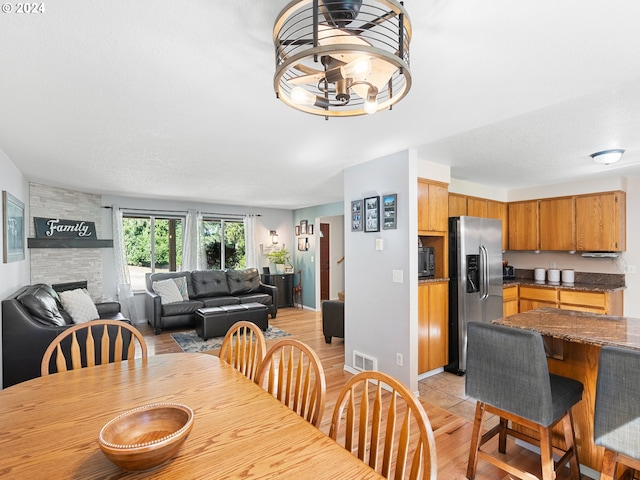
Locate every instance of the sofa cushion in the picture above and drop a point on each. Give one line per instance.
(243, 281)
(209, 283)
(168, 291)
(181, 283)
(157, 276)
(262, 298)
(181, 308)
(42, 306)
(79, 305)
(219, 301)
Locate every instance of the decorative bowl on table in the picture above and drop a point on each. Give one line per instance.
(146, 437)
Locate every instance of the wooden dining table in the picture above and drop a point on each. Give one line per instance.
(49, 426)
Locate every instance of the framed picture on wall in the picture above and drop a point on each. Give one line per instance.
(13, 228)
(389, 211)
(303, 244)
(297, 230)
(356, 216)
(372, 214)
(303, 227)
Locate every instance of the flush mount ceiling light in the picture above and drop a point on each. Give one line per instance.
(607, 157)
(341, 58)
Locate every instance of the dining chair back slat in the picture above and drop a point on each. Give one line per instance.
(291, 371)
(82, 351)
(243, 348)
(386, 427)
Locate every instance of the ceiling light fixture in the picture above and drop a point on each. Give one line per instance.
(341, 58)
(607, 157)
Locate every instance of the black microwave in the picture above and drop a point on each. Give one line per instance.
(426, 262)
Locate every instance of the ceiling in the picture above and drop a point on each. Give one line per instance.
(174, 100)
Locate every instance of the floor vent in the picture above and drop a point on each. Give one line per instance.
(364, 362)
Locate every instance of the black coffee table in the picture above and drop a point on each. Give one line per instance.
(216, 321)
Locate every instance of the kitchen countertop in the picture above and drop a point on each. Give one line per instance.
(431, 280)
(590, 287)
(580, 327)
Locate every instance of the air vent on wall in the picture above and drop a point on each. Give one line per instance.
(363, 362)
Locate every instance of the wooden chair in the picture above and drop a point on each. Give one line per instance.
(297, 291)
(243, 348)
(507, 374)
(113, 346)
(385, 426)
(617, 411)
(294, 375)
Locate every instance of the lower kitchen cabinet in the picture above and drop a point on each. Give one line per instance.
(433, 319)
(510, 301)
(607, 302)
(531, 298)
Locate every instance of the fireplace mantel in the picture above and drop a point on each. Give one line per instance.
(68, 243)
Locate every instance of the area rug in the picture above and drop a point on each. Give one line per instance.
(190, 342)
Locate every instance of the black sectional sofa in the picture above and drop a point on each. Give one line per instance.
(31, 318)
(207, 288)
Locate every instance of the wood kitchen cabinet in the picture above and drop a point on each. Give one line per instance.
(477, 207)
(510, 301)
(433, 206)
(601, 222)
(499, 210)
(457, 205)
(531, 298)
(523, 225)
(433, 318)
(557, 223)
(607, 303)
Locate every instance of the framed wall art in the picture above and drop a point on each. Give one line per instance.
(303, 227)
(310, 229)
(297, 230)
(303, 244)
(13, 231)
(372, 214)
(389, 211)
(356, 216)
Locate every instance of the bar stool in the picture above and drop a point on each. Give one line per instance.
(616, 425)
(507, 374)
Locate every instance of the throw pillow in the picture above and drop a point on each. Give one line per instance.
(79, 305)
(181, 283)
(168, 291)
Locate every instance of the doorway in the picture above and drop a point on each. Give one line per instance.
(325, 242)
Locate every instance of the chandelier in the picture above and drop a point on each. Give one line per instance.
(340, 58)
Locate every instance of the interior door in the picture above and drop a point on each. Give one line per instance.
(324, 261)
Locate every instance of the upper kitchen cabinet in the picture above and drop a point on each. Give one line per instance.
(433, 206)
(523, 225)
(457, 205)
(499, 210)
(601, 222)
(558, 223)
(477, 207)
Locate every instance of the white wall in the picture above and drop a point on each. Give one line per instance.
(269, 219)
(15, 274)
(381, 317)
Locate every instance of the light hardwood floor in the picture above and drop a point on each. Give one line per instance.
(450, 411)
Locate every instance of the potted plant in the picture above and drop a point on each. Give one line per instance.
(279, 257)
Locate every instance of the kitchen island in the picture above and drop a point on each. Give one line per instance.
(573, 341)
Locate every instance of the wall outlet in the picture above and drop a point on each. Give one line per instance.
(397, 276)
(399, 359)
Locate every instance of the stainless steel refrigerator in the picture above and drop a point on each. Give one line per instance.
(475, 280)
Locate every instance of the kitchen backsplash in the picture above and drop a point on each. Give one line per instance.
(612, 280)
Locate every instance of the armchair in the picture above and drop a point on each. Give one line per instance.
(332, 319)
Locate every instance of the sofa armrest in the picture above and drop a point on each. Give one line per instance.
(107, 308)
(273, 291)
(153, 308)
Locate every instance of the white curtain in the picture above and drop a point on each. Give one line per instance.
(125, 293)
(250, 247)
(193, 254)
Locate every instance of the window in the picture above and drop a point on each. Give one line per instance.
(153, 244)
(230, 233)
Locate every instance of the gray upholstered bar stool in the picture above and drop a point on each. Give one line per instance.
(507, 374)
(617, 413)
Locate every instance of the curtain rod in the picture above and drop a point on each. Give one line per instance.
(164, 210)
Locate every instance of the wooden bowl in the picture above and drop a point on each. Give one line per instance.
(147, 436)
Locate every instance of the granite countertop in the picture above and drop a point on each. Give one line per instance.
(431, 280)
(590, 287)
(580, 327)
